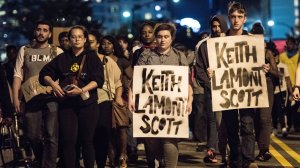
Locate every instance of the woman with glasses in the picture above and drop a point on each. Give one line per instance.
(78, 110)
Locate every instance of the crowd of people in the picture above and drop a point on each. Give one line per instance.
(66, 94)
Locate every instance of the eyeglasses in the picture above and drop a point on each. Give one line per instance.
(77, 37)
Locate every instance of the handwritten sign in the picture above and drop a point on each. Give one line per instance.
(238, 80)
(160, 94)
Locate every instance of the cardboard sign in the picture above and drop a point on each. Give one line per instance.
(239, 80)
(160, 94)
(32, 87)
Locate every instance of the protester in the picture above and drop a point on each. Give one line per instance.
(218, 28)
(81, 70)
(146, 33)
(262, 121)
(40, 109)
(237, 16)
(124, 43)
(112, 74)
(111, 48)
(290, 57)
(163, 54)
(283, 88)
(64, 42)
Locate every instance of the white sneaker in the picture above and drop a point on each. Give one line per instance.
(284, 132)
(275, 132)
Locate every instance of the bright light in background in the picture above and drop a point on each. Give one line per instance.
(159, 15)
(148, 16)
(130, 36)
(89, 18)
(98, 1)
(15, 11)
(157, 8)
(192, 23)
(126, 14)
(176, 1)
(271, 23)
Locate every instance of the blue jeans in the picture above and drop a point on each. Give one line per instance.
(247, 146)
(42, 132)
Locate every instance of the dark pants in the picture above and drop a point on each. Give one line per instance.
(198, 119)
(78, 123)
(278, 113)
(263, 123)
(103, 132)
(247, 146)
(42, 131)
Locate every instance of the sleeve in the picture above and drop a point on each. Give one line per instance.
(18, 71)
(59, 51)
(96, 70)
(117, 74)
(50, 69)
(200, 70)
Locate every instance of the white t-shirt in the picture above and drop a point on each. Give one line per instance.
(283, 72)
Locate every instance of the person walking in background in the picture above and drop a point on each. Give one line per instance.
(112, 49)
(40, 108)
(262, 121)
(218, 28)
(79, 72)
(64, 42)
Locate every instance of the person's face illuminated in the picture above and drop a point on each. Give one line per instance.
(164, 40)
(93, 42)
(77, 38)
(237, 20)
(147, 35)
(107, 47)
(42, 33)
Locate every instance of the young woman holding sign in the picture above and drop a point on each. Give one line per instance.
(163, 54)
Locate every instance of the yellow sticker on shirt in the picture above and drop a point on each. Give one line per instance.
(74, 67)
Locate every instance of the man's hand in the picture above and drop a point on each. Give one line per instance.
(189, 108)
(16, 104)
(210, 72)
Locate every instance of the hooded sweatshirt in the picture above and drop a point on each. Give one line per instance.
(202, 55)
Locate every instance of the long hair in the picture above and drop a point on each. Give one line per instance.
(118, 51)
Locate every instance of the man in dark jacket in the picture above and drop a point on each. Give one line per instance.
(218, 28)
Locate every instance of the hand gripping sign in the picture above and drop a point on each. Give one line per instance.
(160, 94)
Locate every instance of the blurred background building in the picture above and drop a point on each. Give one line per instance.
(17, 17)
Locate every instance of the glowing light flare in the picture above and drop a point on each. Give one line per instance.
(192, 23)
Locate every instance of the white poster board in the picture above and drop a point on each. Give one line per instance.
(160, 93)
(239, 80)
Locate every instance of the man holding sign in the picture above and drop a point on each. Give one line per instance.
(164, 111)
(237, 66)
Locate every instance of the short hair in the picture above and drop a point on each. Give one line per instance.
(236, 6)
(118, 51)
(96, 34)
(146, 23)
(292, 39)
(44, 22)
(62, 35)
(165, 26)
(85, 34)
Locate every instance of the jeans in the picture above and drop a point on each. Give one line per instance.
(247, 146)
(156, 148)
(42, 132)
(263, 123)
(211, 120)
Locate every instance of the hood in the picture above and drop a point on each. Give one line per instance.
(222, 21)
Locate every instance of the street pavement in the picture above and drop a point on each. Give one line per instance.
(285, 151)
